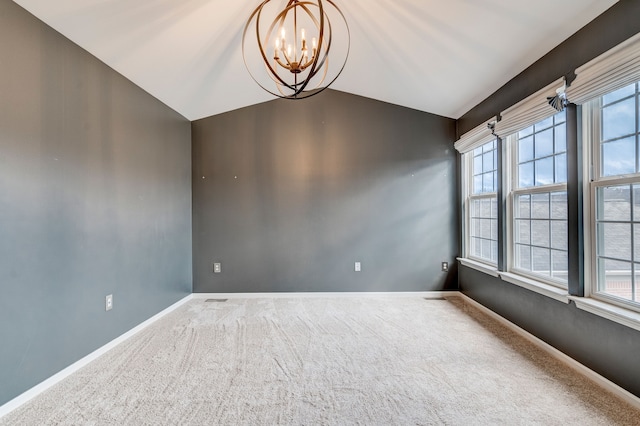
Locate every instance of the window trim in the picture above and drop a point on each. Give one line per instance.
(467, 196)
(531, 283)
(591, 289)
(611, 311)
(600, 303)
(543, 279)
(479, 266)
(535, 284)
(513, 272)
(588, 128)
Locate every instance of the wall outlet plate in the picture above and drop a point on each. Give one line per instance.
(109, 302)
(445, 266)
(217, 268)
(358, 267)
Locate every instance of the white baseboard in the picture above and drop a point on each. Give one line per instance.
(61, 375)
(561, 356)
(318, 294)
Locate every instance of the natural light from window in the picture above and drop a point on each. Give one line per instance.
(482, 204)
(540, 200)
(617, 195)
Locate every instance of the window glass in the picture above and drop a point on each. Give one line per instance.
(483, 206)
(540, 218)
(544, 171)
(525, 149)
(484, 167)
(540, 234)
(540, 206)
(544, 143)
(559, 262)
(560, 138)
(559, 205)
(483, 235)
(619, 157)
(541, 155)
(619, 117)
(617, 202)
(618, 240)
(560, 168)
(525, 175)
(616, 278)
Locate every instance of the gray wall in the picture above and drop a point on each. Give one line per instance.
(95, 198)
(287, 195)
(604, 346)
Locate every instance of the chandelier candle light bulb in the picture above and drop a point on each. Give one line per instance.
(296, 72)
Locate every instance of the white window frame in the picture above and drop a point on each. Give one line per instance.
(591, 131)
(468, 197)
(513, 192)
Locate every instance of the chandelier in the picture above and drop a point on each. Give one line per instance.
(293, 39)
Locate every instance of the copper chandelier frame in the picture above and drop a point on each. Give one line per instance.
(297, 71)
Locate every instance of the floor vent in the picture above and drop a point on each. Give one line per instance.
(434, 298)
(216, 300)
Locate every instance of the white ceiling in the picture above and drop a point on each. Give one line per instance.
(438, 56)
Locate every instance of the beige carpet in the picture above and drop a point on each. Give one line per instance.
(334, 361)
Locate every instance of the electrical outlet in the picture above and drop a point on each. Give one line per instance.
(109, 302)
(358, 267)
(445, 266)
(217, 268)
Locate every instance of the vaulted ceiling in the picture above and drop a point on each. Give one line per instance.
(437, 56)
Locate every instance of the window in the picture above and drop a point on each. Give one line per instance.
(482, 203)
(534, 215)
(615, 192)
(539, 200)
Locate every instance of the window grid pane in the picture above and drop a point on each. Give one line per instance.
(540, 218)
(542, 151)
(619, 132)
(483, 210)
(617, 232)
(540, 234)
(483, 235)
(617, 241)
(484, 168)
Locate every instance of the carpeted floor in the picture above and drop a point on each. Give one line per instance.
(301, 361)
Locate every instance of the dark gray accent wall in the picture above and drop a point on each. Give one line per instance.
(609, 29)
(606, 347)
(95, 199)
(287, 195)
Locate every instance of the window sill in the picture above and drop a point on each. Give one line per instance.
(620, 315)
(611, 312)
(479, 266)
(548, 290)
